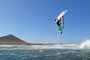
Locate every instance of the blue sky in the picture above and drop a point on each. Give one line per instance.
(33, 20)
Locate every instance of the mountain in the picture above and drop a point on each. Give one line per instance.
(12, 40)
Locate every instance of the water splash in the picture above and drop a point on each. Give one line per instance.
(85, 44)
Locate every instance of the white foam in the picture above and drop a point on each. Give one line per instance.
(85, 44)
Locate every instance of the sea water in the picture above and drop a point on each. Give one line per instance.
(44, 54)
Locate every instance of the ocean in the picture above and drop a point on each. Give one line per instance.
(44, 54)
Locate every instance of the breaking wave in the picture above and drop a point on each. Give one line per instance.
(85, 44)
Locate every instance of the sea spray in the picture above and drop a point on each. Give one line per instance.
(85, 44)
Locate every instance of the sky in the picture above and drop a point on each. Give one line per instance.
(34, 20)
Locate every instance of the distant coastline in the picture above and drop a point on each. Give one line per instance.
(12, 40)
